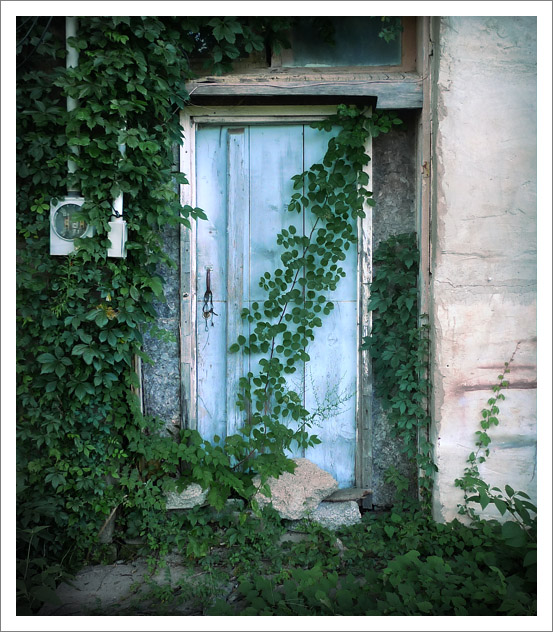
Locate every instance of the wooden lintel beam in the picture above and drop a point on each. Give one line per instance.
(390, 93)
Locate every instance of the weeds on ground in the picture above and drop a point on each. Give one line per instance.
(400, 563)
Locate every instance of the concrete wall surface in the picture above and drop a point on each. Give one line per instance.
(483, 268)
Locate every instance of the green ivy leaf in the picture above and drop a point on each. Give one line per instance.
(425, 606)
(156, 285)
(531, 558)
(513, 534)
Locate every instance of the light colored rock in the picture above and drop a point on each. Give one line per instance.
(337, 514)
(293, 537)
(293, 496)
(191, 496)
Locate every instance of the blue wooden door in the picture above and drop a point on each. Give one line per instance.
(243, 182)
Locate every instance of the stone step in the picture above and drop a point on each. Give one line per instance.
(335, 515)
(351, 493)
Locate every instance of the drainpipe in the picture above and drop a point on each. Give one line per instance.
(71, 61)
(118, 202)
(117, 226)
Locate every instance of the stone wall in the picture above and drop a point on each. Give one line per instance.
(483, 269)
(393, 186)
(161, 380)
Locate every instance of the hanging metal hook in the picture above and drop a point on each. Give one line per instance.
(207, 309)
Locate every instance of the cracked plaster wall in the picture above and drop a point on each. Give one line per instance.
(483, 285)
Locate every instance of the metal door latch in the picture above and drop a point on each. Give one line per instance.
(207, 309)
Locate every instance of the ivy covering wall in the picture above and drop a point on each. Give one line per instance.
(84, 449)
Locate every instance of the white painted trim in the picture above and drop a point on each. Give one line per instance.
(363, 410)
(199, 112)
(188, 301)
(258, 120)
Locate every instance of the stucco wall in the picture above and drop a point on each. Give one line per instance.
(483, 274)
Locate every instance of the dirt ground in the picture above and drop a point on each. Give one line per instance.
(133, 589)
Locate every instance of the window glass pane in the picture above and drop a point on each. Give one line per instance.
(356, 44)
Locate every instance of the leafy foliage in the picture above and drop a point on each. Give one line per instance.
(520, 532)
(85, 451)
(84, 448)
(399, 350)
(400, 563)
(390, 28)
(471, 481)
(397, 564)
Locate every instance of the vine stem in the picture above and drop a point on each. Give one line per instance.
(475, 472)
(273, 341)
(290, 290)
(110, 516)
(505, 370)
(282, 315)
(265, 375)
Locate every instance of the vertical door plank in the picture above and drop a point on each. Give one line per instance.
(211, 384)
(276, 154)
(211, 194)
(211, 166)
(238, 211)
(331, 378)
(331, 374)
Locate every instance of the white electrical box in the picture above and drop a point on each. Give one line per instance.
(66, 225)
(118, 238)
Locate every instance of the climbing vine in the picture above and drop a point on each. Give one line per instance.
(282, 326)
(398, 346)
(85, 452)
(519, 532)
(515, 503)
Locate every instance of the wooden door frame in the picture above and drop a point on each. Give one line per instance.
(251, 115)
